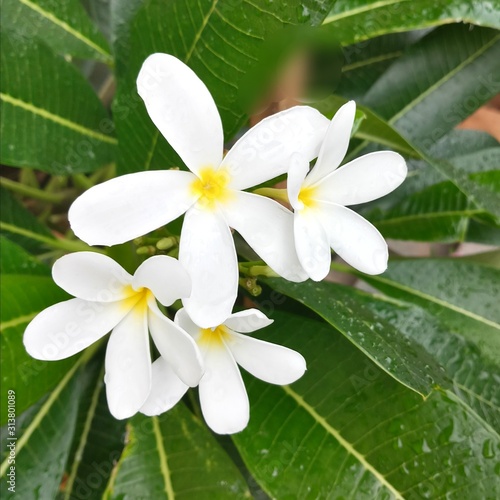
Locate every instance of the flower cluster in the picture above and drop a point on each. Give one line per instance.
(206, 341)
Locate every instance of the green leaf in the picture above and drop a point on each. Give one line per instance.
(174, 456)
(462, 142)
(51, 118)
(43, 442)
(479, 232)
(366, 62)
(483, 194)
(400, 357)
(427, 207)
(437, 213)
(357, 20)
(472, 150)
(98, 441)
(100, 13)
(462, 295)
(372, 128)
(347, 429)
(490, 258)
(15, 260)
(220, 41)
(475, 380)
(435, 85)
(23, 297)
(122, 14)
(15, 215)
(423, 95)
(63, 26)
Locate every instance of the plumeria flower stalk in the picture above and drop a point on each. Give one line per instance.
(110, 299)
(211, 195)
(223, 397)
(319, 199)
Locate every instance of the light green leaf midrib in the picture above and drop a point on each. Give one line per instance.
(342, 441)
(66, 27)
(47, 115)
(84, 436)
(371, 60)
(20, 320)
(427, 215)
(21, 442)
(162, 455)
(443, 80)
(426, 93)
(436, 300)
(360, 10)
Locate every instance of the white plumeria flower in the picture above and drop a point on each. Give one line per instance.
(223, 397)
(109, 298)
(211, 194)
(319, 199)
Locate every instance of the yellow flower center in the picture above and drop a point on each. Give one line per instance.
(211, 187)
(213, 335)
(136, 299)
(307, 196)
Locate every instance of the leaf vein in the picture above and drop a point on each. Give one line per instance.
(343, 442)
(56, 118)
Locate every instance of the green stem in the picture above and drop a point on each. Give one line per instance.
(262, 271)
(68, 245)
(275, 193)
(337, 266)
(32, 192)
(28, 177)
(256, 268)
(82, 181)
(103, 174)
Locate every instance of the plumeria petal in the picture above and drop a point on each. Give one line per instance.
(129, 206)
(176, 346)
(128, 365)
(165, 277)
(353, 238)
(247, 321)
(312, 244)
(166, 389)
(269, 362)
(299, 167)
(335, 143)
(364, 179)
(182, 108)
(267, 227)
(66, 328)
(223, 397)
(91, 276)
(207, 252)
(187, 324)
(264, 152)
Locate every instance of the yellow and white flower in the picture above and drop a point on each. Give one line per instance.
(319, 199)
(108, 298)
(211, 194)
(223, 397)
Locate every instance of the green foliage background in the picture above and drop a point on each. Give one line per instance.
(402, 394)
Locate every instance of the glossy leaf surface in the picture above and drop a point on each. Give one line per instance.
(346, 428)
(404, 360)
(52, 121)
(63, 26)
(174, 456)
(23, 297)
(461, 294)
